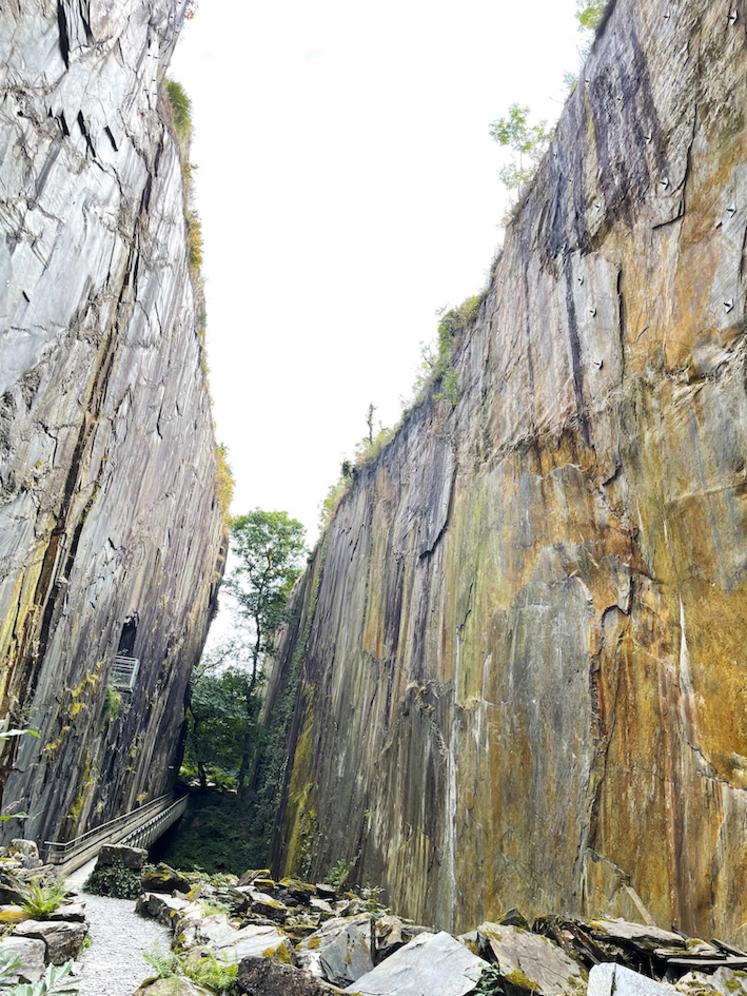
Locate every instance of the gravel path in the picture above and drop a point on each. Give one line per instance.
(113, 965)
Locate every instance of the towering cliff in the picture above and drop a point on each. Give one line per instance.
(110, 530)
(517, 662)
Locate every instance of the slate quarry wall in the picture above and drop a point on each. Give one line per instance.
(110, 531)
(517, 662)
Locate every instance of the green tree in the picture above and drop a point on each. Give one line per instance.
(589, 13)
(528, 143)
(268, 549)
(217, 715)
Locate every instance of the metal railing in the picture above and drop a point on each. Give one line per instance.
(156, 826)
(71, 854)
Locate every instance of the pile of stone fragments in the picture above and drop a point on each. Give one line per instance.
(33, 944)
(292, 938)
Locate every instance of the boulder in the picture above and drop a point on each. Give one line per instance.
(162, 878)
(266, 906)
(324, 891)
(725, 981)
(340, 952)
(260, 977)
(608, 979)
(75, 912)
(163, 908)
(119, 854)
(29, 953)
(216, 933)
(253, 873)
(63, 939)
(300, 891)
(391, 934)
(529, 962)
(322, 907)
(26, 852)
(175, 986)
(610, 939)
(431, 963)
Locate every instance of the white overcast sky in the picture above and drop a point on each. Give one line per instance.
(348, 188)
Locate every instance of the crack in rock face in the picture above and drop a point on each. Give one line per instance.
(110, 531)
(517, 657)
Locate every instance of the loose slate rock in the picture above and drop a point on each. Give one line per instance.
(432, 963)
(608, 979)
(260, 977)
(163, 908)
(529, 962)
(162, 878)
(119, 854)
(340, 952)
(391, 934)
(725, 981)
(63, 940)
(29, 953)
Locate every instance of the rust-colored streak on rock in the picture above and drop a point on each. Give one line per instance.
(522, 676)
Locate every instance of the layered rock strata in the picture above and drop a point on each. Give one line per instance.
(517, 663)
(110, 530)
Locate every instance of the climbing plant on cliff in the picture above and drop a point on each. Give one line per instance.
(268, 549)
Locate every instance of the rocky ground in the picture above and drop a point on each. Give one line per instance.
(253, 936)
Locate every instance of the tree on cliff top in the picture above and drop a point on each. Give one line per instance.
(589, 13)
(268, 548)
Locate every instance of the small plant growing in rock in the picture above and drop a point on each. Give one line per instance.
(114, 880)
(491, 982)
(112, 705)
(42, 900)
(56, 981)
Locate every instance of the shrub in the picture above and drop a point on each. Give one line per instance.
(194, 240)
(225, 482)
(205, 970)
(112, 705)
(114, 880)
(180, 107)
(42, 900)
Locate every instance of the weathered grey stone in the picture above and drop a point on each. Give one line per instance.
(108, 508)
(608, 979)
(340, 951)
(391, 933)
(260, 977)
(63, 939)
(528, 962)
(162, 907)
(29, 952)
(75, 911)
(254, 873)
(725, 981)
(26, 851)
(119, 854)
(431, 963)
(216, 933)
(162, 878)
(268, 907)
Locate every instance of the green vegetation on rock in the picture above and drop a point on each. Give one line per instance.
(42, 899)
(114, 880)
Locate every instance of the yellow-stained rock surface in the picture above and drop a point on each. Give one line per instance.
(517, 662)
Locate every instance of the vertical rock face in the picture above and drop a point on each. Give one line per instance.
(110, 532)
(520, 649)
